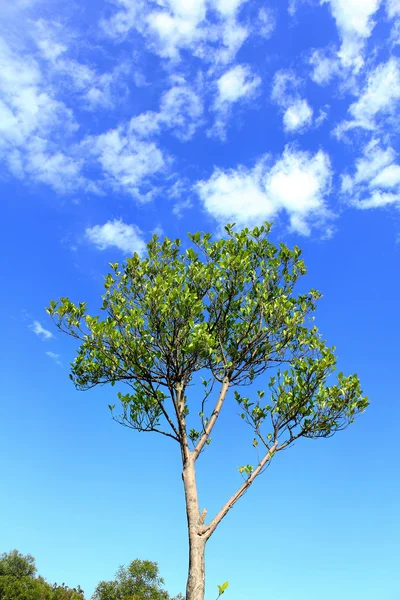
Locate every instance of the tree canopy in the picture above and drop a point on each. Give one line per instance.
(18, 581)
(222, 312)
(140, 580)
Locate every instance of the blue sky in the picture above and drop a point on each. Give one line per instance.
(126, 117)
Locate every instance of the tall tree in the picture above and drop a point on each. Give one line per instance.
(226, 308)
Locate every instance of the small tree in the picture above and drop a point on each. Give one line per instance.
(17, 565)
(139, 581)
(18, 581)
(226, 308)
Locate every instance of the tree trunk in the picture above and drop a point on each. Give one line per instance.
(195, 587)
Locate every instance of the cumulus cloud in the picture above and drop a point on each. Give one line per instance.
(380, 96)
(393, 8)
(354, 20)
(181, 110)
(238, 84)
(297, 185)
(355, 23)
(40, 331)
(297, 113)
(39, 132)
(127, 162)
(325, 65)
(209, 29)
(117, 234)
(30, 117)
(376, 179)
(298, 116)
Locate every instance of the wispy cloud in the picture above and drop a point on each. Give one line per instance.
(210, 30)
(40, 331)
(238, 84)
(380, 95)
(55, 357)
(297, 113)
(376, 179)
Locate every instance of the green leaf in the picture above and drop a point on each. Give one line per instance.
(222, 588)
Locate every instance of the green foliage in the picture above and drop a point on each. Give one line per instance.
(63, 592)
(222, 588)
(139, 581)
(227, 306)
(15, 564)
(18, 581)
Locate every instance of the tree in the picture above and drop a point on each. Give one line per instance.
(15, 564)
(226, 308)
(63, 592)
(139, 581)
(18, 581)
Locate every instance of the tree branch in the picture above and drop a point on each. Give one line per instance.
(213, 418)
(126, 423)
(209, 529)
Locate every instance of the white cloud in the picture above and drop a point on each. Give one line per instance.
(40, 331)
(55, 357)
(48, 38)
(117, 234)
(354, 20)
(31, 115)
(26, 102)
(393, 8)
(376, 180)
(297, 113)
(387, 178)
(227, 7)
(325, 65)
(354, 17)
(380, 95)
(208, 28)
(292, 7)
(323, 115)
(284, 87)
(296, 184)
(266, 22)
(237, 84)
(181, 111)
(95, 90)
(180, 206)
(126, 161)
(377, 199)
(298, 116)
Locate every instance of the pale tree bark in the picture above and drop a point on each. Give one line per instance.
(195, 587)
(199, 532)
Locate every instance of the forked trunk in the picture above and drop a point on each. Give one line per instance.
(195, 587)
